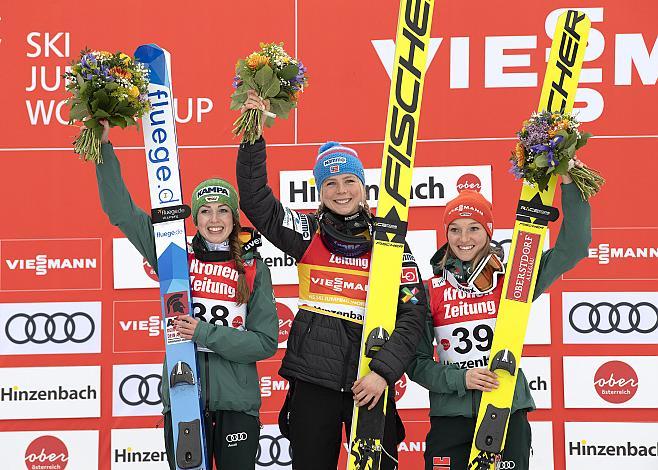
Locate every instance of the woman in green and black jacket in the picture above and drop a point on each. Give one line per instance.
(463, 307)
(222, 280)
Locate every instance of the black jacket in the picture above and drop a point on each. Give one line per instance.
(321, 349)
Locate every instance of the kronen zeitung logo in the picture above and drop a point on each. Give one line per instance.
(42, 263)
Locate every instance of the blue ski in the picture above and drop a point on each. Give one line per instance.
(168, 214)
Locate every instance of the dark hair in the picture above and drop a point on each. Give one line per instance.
(244, 292)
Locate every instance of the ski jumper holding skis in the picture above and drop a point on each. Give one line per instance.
(463, 297)
(332, 249)
(235, 321)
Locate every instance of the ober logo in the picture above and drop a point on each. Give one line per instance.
(236, 437)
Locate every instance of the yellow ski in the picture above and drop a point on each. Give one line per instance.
(533, 214)
(412, 43)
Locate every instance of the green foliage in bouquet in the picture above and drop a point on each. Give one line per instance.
(547, 146)
(275, 76)
(104, 85)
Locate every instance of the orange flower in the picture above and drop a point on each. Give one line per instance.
(121, 73)
(520, 155)
(255, 61)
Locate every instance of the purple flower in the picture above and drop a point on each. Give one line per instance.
(516, 171)
(237, 81)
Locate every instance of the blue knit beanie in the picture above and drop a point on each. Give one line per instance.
(336, 159)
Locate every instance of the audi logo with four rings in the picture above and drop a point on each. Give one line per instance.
(606, 317)
(58, 328)
(236, 437)
(271, 451)
(147, 389)
(506, 465)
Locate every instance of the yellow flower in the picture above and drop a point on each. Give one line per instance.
(133, 91)
(125, 58)
(122, 73)
(105, 53)
(255, 61)
(520, 154)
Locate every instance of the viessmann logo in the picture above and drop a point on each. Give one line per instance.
(41, 264)
(604, 252)
(51, 264)
(353, 286)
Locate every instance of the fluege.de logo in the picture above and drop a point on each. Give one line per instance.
(50, 264)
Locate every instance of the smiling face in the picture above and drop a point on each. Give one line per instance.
(466, 238)
(215, 222)
(342, 194)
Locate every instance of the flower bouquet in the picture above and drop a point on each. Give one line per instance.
(274, 75)
(547, 145)
(104, 85)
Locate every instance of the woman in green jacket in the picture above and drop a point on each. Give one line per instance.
(463, 308)
(235, 322)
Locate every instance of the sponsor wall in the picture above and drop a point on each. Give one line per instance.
(80, 334)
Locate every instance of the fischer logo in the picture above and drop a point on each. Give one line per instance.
(153, 325)
(445, 344)
(616, 382)
(469, 181)
(269, 385)
(129, 455)
(400, 387)
(42, 263)
(286, 318)
(581, 448)
(46, 453)
(604, 252)
(15, 394)
(360, 262)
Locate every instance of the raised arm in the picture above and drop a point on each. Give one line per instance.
(118, 204)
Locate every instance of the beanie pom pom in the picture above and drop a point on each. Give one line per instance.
(327, 146)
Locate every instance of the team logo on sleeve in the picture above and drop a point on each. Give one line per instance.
(409, 275)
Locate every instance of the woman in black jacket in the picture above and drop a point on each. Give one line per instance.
(332, 248)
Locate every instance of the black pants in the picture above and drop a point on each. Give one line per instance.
(449, 441)
(225, 443)
(315, 422)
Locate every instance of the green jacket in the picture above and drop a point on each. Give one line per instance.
(447, 383)
(228, 376)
